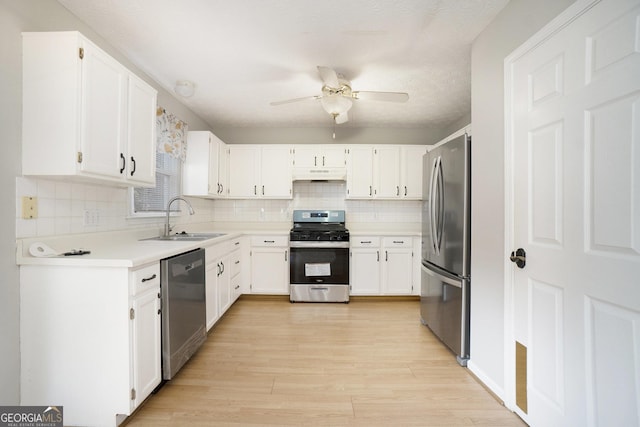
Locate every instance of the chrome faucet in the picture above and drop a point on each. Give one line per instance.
(167, 227)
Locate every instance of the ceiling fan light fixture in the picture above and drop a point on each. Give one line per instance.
(184, 88)
(336, 104)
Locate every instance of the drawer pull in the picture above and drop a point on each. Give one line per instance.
(269, 241)
(237, 262)
(146, 279)
(398, 241)
(365, 242)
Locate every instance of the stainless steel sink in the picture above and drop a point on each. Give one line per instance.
(186, 237)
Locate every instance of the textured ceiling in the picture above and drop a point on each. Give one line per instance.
(243, 54)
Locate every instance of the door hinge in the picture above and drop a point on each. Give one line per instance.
(132, 314)
(133, 394)
(79, 157)
(81, 52)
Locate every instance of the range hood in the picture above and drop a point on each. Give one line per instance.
(319, 174)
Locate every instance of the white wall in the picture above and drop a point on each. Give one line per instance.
(513, 26)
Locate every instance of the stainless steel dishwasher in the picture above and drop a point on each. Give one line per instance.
(182, 284)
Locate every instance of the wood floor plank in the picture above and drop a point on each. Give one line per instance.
(366, 363)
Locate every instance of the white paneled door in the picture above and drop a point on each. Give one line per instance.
(574, 121)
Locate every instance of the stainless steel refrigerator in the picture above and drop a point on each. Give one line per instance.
(445, 284)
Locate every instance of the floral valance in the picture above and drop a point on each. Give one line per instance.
(171, 134)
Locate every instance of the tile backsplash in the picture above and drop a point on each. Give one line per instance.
(70, 208)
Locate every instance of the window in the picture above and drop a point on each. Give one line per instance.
(171, 135)
(153, 201)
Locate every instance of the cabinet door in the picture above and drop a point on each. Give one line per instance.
(104, 87)
(411, 171)
(360, 172)
(146, 344)
(224, 285)
(213, 175)
(276, 176)
(387, 172)
(269, 270)
(211, 293)
(306, 156)
(141, 137)
(365, 271)
(244, 171)
(333, 157)
(398, 271)
(223, 169)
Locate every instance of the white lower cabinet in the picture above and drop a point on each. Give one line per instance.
(146, 343)
(236, 269)
(90, 339)
(397, 266)
(270, 264)
(382, 265)
(223, 277)
(364, 269)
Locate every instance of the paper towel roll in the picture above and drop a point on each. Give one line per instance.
(39, 249)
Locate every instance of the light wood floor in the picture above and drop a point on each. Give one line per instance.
(366, 363)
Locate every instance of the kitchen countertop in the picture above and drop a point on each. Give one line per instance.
(111, 249)
(125, 248)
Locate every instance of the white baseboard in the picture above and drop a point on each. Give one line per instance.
(491, 385)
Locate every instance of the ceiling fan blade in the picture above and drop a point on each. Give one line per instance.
(289, 101)
(341, 118)
(381, 96)
(329, 77)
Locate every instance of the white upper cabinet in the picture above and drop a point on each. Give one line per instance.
(204, 171)
(360, 172)
(385, 172)
(84, 114)
(411, 171)
(260, 171)
(317, 161)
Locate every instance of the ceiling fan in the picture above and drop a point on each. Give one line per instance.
(337, 96)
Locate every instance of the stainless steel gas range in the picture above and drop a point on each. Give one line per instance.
(319, 260)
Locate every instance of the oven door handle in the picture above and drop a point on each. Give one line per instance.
(319, 244)
(318, 288)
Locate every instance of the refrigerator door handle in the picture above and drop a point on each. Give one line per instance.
(441, 195)
(432, 216)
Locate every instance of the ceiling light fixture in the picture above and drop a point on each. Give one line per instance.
(336, 104)
(184, 88)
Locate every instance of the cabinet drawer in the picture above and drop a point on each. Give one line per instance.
(398, 242)
(236, 258)
(145, 278)
(269, 241)
(364, 242)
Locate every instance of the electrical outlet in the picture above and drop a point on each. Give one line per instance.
(29, 207)
(91, 217)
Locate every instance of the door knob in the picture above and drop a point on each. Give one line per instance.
(519, 257)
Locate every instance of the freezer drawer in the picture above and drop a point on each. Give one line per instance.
(444, 308)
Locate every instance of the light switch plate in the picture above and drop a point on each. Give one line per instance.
(29, 207)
